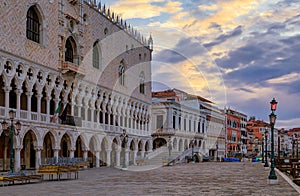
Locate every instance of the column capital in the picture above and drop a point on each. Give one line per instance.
(108, 149)
(29, 93)
(7, 89)
(38, 148)
(56, 149)
(19, 91)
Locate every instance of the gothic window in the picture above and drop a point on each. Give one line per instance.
(69, 54)
(96, 55)
(33, 25)
(174, 122)
(122, 74)
(159, 122)
(142, 83)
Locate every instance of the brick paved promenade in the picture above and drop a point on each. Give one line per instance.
(208, 178)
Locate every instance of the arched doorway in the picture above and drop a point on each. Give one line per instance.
(103, 154)
(64, 146)
(140, 148)
(131, 152)
(114, 152)
(28, 155)
(175, 147)
(4, 152)
(78, 151)
(181, 148)
(159, 142)
(92, 151)
(47, 151)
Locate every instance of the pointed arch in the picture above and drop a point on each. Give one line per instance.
(142, 82)
(71, 50)
(97, 55)
(122, 73)
(34, 24)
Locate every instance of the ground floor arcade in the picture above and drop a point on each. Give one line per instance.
(36, 144)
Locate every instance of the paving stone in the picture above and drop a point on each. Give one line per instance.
(208, 178)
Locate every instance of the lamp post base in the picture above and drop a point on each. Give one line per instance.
(272, 181)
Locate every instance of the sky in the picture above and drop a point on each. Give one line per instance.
(240, 54)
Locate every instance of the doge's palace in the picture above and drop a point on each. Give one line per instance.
(79, 61)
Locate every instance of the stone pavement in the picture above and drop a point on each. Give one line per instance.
(207, 178)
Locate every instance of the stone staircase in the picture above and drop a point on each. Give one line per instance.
(162, 158)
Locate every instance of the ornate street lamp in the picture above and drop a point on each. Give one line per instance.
(193, 158)
(262, 148)
(11, 131)
(272, 116)
(217, 147)
(266, 148)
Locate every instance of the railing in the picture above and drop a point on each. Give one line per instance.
(156, 152)
(34, 116)
(74, 121)
(23, 114)
(2, 111)
(185, 153)
(44, 117)
(72, 67)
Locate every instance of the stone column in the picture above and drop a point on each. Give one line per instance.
(86, 106)
(29, 95)
(108, 154)
(17, 159)
(7, 90)
(72, 108)
(18, 92)
(72, 153)
(56, 150)
(97, 154)
(127, 157)
(38, 157)
(39, 98)
(48, 99)
(142, 152)
(92, 116)
(85, 155)
(134, 156)
(118, 156)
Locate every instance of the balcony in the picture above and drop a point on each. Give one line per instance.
(163, 132)
(68, 67)
(34, 117)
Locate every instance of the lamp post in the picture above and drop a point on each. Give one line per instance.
(266, 148)
(124, 140)
(11, 131)
(278, 142)
(272, 116)
(193, 158)
(217, 147)
(262, 147)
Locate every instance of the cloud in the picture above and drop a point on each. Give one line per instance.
(131, 9)
(223, 37)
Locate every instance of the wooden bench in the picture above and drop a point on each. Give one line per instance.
(6, 180)
(284, 165)
(83, 164)
(58, 170)
(296, 172)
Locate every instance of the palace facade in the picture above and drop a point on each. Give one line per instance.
(80, 58)
(188, 122)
